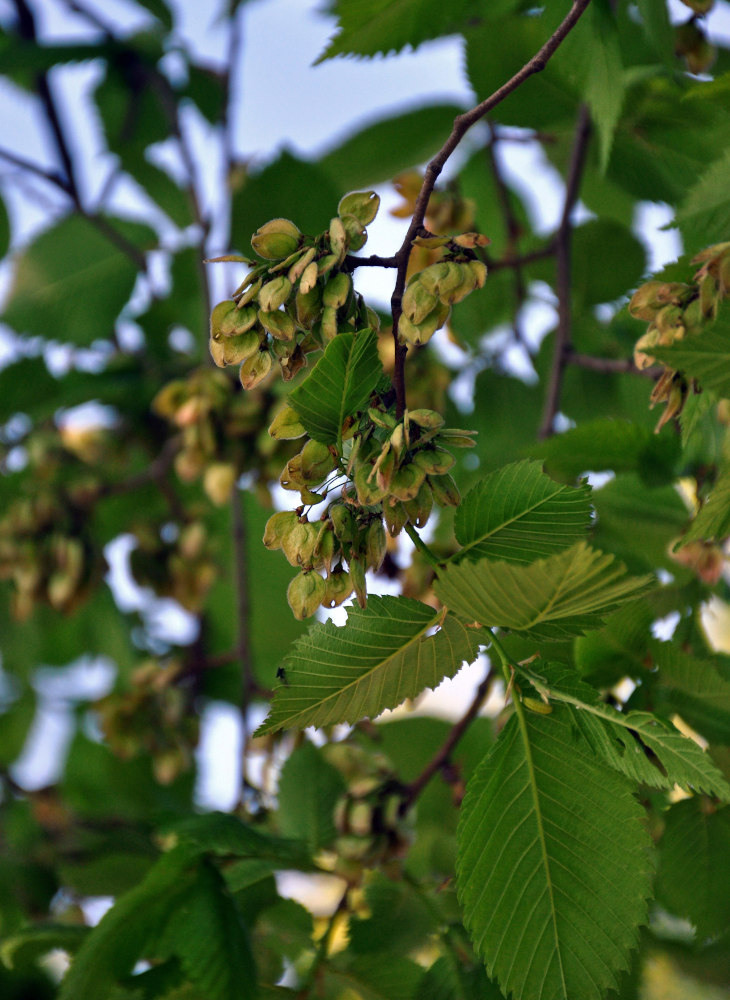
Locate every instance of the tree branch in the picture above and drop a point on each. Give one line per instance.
(442, 758)
(563, 333)
(462, 124)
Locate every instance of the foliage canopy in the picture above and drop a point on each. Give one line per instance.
(576, 843)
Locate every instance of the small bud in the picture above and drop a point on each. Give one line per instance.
(276, 239)
(471, 240)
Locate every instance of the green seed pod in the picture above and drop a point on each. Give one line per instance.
(368, 491)
(406, 482)
(363, 205)
(471, 240)
(479, 270)
(325, 548)
(419, 508)
(328, 324)
(434, 461)
(445, 491)
(279, 324)
(286, 425)
(461, 289)
(275, 293)
(375, 544)
(255, 369)
(325, 264)
(298, 543)
(237, 349)
(428, 419)
(395, 517)
(454, 437)
(418, 302)
(337, 290)
(250, 294)
(344, 523)
(421, 333)
(338, 239)
(303, 261)
(357, 235)
(432, 276)
(308, 306)
(216, 352)
(227, 320)
(276, 239)
(338, 588)
(356, 567)
(305, 594)
(277, 526)
(317, 462)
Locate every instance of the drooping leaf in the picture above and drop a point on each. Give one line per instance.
(519, 514)
(128, 930)
(690, 881)
(383, 655)
(73, 281)
(705, 356)
(712, 521)
(385, 148)
(622, 739)
(704, 215)
(206, 933)
(563, 595)
(372, 27)
(552, 871)
(309, 787)
(339, 385)
(694, 688)
(607, 444)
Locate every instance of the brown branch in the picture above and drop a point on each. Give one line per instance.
(462, 124)
(563, 241)
(51, 176)
(608, 366)
(442, 758)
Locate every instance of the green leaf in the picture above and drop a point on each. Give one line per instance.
(221, 833)
(206, 933)
(309, 788)
(127, 931)
(553, 871)
(400, 919)
(658, 28)
(620, 738)
(692, 882)
(712, 521)
(704, 215)
(31, 943)
(519, 514)
(15, 722)
(72, 282)
(373, 27)
(607, 444)
(563, 595)
(288, 188)
(339, 385)
(705, 356)
(693, 688)
(607, 261)
(390, 978)
(26, 386)
(382, 150)
(383, 655)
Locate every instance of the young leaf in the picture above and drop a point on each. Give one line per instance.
(690, 881)
(553, 871)
(553, 598)
(383, 655)
(622, 739)
(338, 385)
(519, 514)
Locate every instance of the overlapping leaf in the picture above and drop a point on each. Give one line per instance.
(553, 598)
(383, 655)
(695, 689)
(704, 216)
(705, 356)
(712, 522)
(552, 869)
(339, 385)
(622, 739)
(519, 514)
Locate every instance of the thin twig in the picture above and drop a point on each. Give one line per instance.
(563, 333)
(462, 124)
(607, 366)
(416, 787)
(51, 176)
